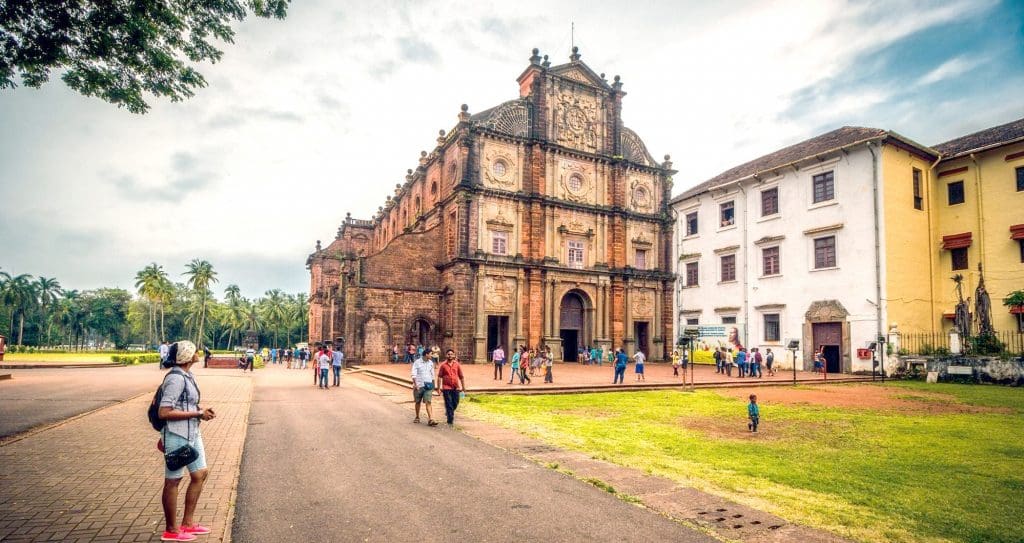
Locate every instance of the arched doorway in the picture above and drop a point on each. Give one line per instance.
(421, 332)
(572, 324)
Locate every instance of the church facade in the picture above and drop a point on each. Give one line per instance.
(543, 221)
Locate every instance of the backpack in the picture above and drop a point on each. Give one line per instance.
(153, 413)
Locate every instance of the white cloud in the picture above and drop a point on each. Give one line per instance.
(949, 69)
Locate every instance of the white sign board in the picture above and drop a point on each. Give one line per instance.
(933, 377)
(960, 370)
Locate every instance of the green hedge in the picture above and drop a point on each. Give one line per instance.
(132, 359)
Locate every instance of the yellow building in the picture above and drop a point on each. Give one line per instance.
(965, 209)
(979, 209)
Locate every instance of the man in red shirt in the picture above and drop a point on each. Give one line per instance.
(453, 383)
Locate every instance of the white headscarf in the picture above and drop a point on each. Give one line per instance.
(186, 350)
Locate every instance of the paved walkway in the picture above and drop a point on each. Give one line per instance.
(98, 477)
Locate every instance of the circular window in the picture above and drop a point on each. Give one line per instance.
(499, 168)
(641, 196)
(575, 182)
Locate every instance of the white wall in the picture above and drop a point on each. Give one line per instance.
(790, 293)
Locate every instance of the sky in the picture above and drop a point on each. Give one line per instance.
(321, 114)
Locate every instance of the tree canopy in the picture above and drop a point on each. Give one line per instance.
(117, 50)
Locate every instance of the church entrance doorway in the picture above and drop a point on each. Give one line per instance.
(641, 331)
(497, 334)
(572, 325)
(420, 333)
(828, 336)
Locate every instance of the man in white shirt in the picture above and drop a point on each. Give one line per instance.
(164, 349)
(423, 386)
(323, 360)
(640, 358)
(337, 361)
(498, 357)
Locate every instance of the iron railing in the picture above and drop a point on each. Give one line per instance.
(926, 344)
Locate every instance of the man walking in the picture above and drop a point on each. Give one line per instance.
(453, 384)
(164, 349)
(423, 387)
(337, 361)
(498, 357)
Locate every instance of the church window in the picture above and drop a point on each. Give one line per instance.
(499, 243)
(691, 224)
(641, 197)
(499, 168)
(769, 201)
(692, 274)
(824, 187)
(419, 206)
(918, 197)
(575, 182)
(771, 327)
(1020, 179)
(576, 254)
(727, 212)
(959, 257)
(729, 320)
(433, 189)
(452, 172)
(955, 193)
(641, 259)
(692, 322)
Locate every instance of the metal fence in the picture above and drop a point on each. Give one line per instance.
(926, 344)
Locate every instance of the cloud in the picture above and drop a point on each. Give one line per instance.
(239, 116)
(415, 50)
(187, 176)
(951, 68)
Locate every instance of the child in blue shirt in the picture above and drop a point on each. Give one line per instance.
(754, 413)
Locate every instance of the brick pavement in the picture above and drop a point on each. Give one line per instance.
(98, 478)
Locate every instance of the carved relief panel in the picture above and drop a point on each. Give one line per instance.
(643, 303)
(499, 294)
(578, 120)
(643, 196)
(499, 229)
(452, 167)
(500, 166)
(575, 181)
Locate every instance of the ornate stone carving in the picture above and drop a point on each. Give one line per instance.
(500, 168)
(577, 121)
(498, 293)
(633, 148)
(498, 220)
(644, 239)
(643, 303)
(510, 118)
(641, 196)
(826, 311)
(576, 180)
(577, 75)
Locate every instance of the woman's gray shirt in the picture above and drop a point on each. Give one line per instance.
(175, 382)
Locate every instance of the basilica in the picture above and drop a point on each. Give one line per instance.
(542, 221)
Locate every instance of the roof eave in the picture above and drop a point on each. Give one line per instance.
(983, 148)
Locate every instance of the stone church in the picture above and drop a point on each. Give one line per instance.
(542, 221)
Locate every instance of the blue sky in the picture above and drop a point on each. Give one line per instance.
(321, 114)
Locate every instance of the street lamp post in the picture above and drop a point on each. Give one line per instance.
(794, 346)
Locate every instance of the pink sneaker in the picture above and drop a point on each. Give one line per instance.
(195, 529)
(177, 536)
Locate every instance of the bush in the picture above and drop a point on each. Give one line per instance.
(133, 359)
(987, 344)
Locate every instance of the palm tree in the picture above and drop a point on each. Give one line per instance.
(19, 292)
(253, 320)
(49, 292)
(275, 310)
(234, 312)
(200, 275)
(147, 280)
(165, 295)
(298, 315)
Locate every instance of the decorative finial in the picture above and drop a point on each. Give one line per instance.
(617, 85)
(408, 172)
(535, 58)
(668, 157)
(423, 153)
(575, 56)
(318, 246)
(546, 63)
(465, 108)
(348, 215)
(441, 132)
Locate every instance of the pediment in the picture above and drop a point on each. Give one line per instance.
(581, 73)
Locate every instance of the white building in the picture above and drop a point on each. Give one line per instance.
(789, 246)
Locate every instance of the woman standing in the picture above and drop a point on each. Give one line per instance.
(179, 407)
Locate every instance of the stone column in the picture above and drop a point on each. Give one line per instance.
(552, 339)
(480, 335)
(657, 330)
(517, 313)
(627, 334)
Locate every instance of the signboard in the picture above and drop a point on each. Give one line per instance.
(960, 370)
(707, 338)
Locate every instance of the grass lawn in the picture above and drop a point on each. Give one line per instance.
(931, 463)
(64, 358)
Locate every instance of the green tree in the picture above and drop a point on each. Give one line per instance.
(49, 292)
(19, 293)
(200, 275)
(1016, 301)
(234, 313)
(119, 49)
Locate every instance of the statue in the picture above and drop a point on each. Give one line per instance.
(983, 307)
(962, 314)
